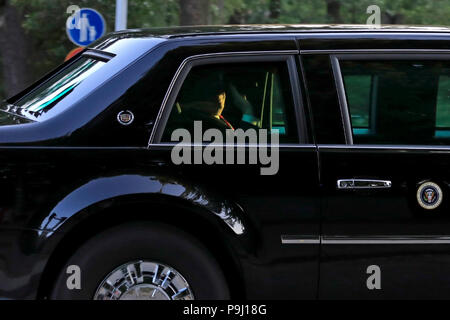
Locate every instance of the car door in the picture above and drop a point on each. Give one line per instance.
(262, 92)
(386, 218)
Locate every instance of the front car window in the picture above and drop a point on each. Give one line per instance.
(236, 96)
(46, 96)
(398, 102)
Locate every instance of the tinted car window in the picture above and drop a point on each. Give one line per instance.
(233, 96)
(62, 84)
(443, 103)
(398, 102)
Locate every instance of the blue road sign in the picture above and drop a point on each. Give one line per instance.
(85, 26)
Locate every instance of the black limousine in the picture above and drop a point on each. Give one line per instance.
(119, 179)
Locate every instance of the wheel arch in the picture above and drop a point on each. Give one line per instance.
(226, 247)
(107, 191)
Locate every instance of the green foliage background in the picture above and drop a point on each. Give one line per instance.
(45, 19)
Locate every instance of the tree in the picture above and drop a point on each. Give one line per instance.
(275, 10)
(391, 18)
(194, 12)
(14, 49)
(334, 11)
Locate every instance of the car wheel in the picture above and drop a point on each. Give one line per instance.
(141, 262)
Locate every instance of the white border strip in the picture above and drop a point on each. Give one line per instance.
(292, 239)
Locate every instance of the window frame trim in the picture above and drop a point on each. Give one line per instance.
(287, 56)
(369, 54)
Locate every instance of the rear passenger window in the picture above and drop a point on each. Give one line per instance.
(236, 96)
(443, 104)
(398, 102)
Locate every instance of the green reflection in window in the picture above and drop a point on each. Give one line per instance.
(59, 86)
(443, 103)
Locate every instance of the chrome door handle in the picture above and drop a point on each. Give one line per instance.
(363, 184)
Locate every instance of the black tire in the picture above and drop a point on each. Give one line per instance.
(144, 241)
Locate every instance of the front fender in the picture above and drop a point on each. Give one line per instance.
(38, 242)
(105, 188)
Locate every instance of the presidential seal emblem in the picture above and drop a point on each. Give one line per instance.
(125, 117)
(429, 195)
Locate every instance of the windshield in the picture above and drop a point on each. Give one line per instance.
(43, 98)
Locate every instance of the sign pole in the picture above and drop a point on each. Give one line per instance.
(121, 14)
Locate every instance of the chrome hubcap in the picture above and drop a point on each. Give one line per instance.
(144, 280)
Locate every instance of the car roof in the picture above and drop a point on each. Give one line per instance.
(189, 31)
